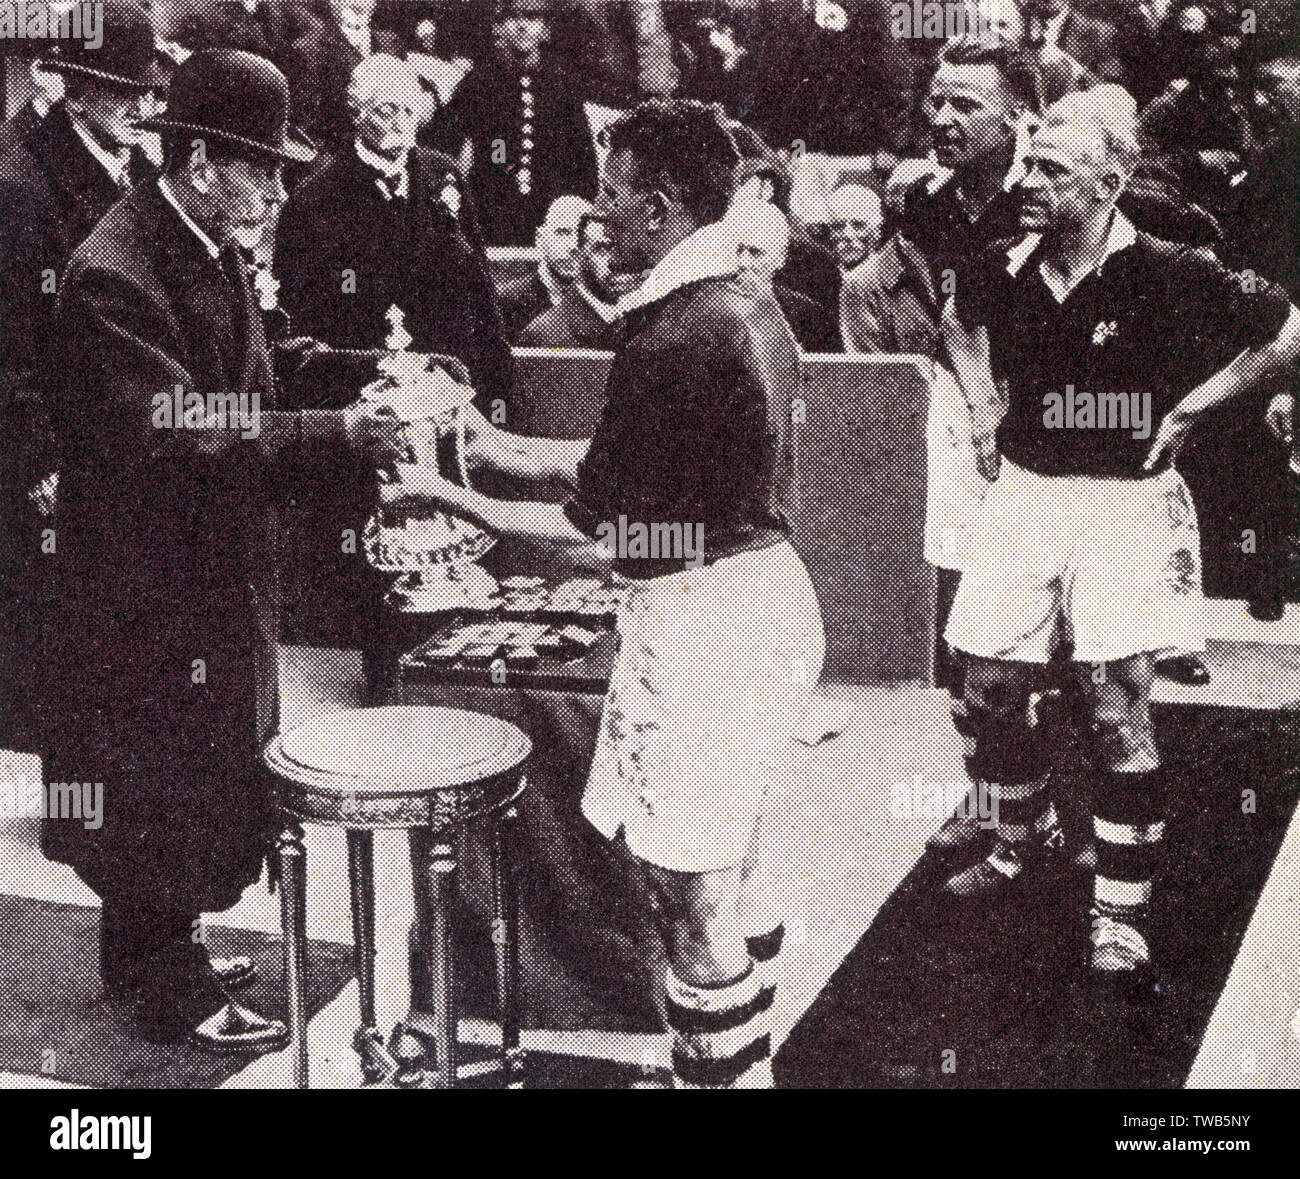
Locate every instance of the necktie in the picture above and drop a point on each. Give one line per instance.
(390, 184)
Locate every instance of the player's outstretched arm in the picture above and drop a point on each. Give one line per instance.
(541, 461)
(536, 523)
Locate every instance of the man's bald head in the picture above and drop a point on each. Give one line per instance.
(388, 103)
(762, 236)
(855, 220)
(557, 236)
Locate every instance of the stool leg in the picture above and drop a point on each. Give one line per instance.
(361, 878)
(505, 940)
(293, 919)
(434, 863)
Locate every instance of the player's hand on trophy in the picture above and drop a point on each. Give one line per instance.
(1279, 417)
(376, 432)
(1175, 428)
(419, 485)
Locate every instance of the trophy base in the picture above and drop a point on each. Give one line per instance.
(442, 589)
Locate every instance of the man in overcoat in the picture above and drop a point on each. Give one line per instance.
(56, 181)
(160, 673)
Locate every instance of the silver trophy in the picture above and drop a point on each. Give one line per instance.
(433, 552)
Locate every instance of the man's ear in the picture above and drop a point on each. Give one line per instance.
(199, 174)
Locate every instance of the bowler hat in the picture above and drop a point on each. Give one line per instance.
(234, 99)
(127, 55)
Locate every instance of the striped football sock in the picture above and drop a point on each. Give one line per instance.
(1130, 832)
(721, 1034)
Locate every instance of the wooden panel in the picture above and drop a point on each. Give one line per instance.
(859, 520)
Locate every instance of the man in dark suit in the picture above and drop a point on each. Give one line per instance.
(320, 65)
(55, 183)
(523, 126)
(160, 668)
(379, 214)
(374, 230)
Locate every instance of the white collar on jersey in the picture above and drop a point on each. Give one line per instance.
(1122, 234)
(709, 252)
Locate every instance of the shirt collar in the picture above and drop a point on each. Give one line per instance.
(1121, 235)
(709, 252)
(386, 167)
(117, 166)
(164, 186)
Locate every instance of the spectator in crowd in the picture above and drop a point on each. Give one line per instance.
(763, 176)
(518, 125)
(1056, 30)
(585, 314)
(72, 167)
(855, 221)
(1200, 125)
(556, 239)
(47, 89)
(1009, 23)
(762, 240)
(320, 65)
(265, 27)
(822, 75)
(443, 39)
(622, 50)
(343, 224)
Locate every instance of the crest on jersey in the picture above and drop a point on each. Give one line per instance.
(1103, 332)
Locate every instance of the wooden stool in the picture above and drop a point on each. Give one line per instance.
(428, 771)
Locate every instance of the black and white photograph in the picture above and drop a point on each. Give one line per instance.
(651, 544)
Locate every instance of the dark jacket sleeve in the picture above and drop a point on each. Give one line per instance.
(108, 326)
(477, 327)
(29, 256)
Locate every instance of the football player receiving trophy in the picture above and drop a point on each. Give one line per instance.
(720, 644)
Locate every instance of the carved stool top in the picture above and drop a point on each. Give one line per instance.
(398, 766)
